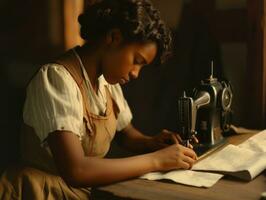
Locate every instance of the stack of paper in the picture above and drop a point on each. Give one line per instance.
(236, 161)
(244, 161)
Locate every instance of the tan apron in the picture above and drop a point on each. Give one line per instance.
(38, 177)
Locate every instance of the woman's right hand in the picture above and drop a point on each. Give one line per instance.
(175, 156)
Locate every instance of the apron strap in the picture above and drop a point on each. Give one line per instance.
(72, 65)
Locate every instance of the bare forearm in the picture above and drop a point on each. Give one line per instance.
(96, 171)
(79, 170)
(138, 142)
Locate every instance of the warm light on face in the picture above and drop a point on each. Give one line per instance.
(122, 64)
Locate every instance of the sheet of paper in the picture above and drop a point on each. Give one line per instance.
(186, 177)
(256, 143)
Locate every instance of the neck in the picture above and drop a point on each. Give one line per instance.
(89, 56)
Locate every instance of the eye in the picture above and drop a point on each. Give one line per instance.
(139, 60)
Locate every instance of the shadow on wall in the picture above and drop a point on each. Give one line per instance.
(14, 77)
(24, 40)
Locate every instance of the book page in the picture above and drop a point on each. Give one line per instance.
(234, 160)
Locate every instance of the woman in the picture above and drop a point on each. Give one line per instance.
(74, 107)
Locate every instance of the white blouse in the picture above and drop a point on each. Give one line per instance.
(54, 102)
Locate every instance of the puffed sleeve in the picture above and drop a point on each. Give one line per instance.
(53, 102)
(125, 115)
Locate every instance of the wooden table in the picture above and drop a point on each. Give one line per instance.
(227, 188)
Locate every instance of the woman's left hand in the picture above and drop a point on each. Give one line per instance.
(164, 139)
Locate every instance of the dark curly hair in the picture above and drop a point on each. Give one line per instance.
(138, 21)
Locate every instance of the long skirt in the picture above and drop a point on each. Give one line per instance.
(26, 183)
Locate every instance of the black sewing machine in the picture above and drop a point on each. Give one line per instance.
(206, 115)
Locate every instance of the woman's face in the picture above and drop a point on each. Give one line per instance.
(121, 63)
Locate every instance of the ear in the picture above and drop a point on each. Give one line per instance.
(114, 37)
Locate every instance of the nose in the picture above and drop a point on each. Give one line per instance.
(134, 73)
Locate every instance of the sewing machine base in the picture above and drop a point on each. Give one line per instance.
(203, 150)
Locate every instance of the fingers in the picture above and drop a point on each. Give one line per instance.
(184, 165)
(190, 161)
(177, 156)
(189, 152)
(195, 139)
(178, 137)
(187, 161)
(174, 137)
